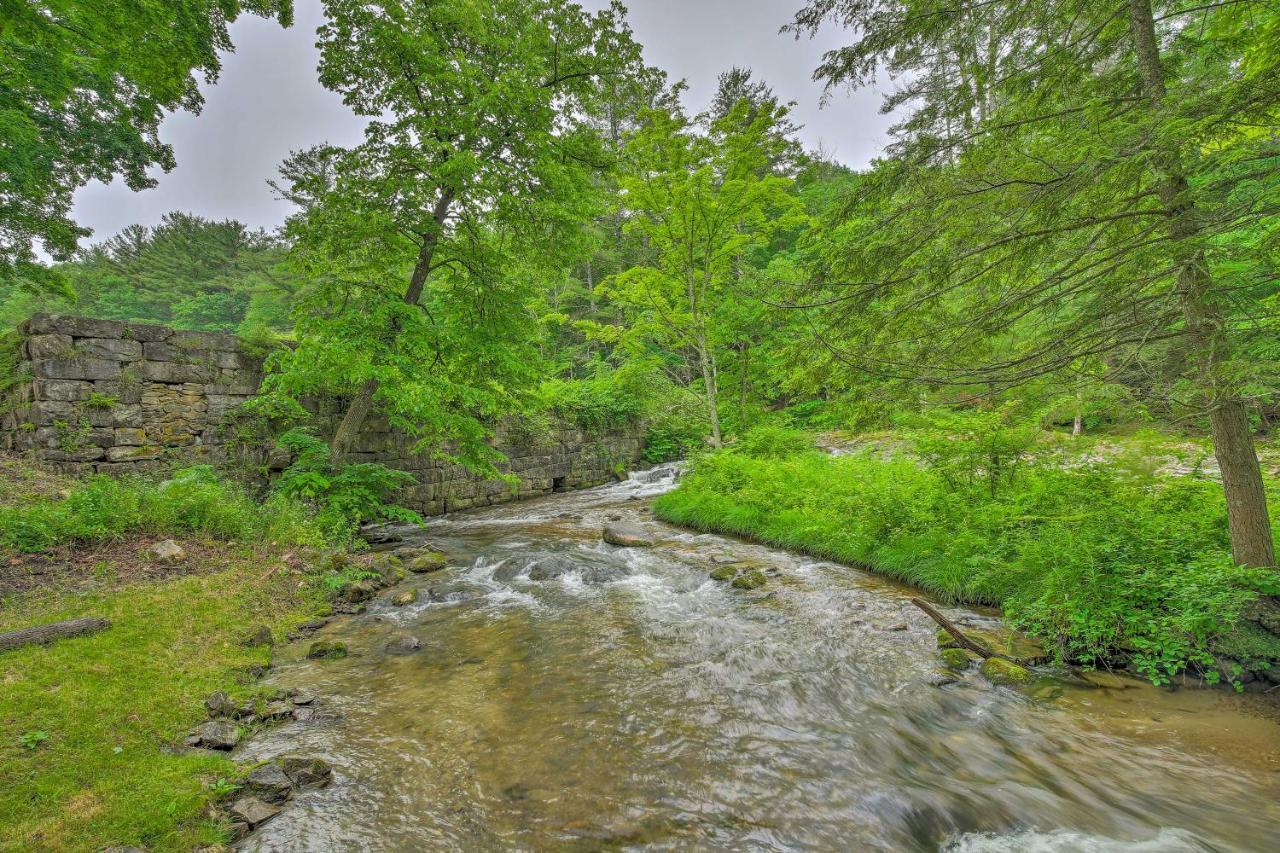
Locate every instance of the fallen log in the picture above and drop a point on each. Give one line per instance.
(45, 634)
(963, 641)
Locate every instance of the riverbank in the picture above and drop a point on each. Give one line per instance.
(1103, 562)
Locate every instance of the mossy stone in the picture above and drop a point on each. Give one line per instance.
(723, 573)
(1005, 673)
(955, 659)
(409, 596)
(945, 640)
(427, 561)
(327, 649)
(753, 579)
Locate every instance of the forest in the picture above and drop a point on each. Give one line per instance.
(1028, 358)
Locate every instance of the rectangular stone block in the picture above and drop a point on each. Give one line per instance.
(146, 332)
(130, 436)
(127, 415)
(172, 373)
(79, 454)
(46, 412)
(163, 351)
(205, 340)
(75, 368)
(50, 346)
(77, 327)
(64, 390)
(114, 349)
(133, 454)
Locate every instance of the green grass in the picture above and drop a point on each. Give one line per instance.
(88, 725)
(1096, 558)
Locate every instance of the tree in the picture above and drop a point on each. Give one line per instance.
(477, 161)
(705, 203)
(736, 86)
(83, 88)
(1073, 180)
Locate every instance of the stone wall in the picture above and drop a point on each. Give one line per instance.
(100, 395)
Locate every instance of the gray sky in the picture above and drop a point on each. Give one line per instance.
(267, 102)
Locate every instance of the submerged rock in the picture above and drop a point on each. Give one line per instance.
(404, 645)
(628, 536)
(330, 649)
(551, 568)
(946, 641)
(753, 579)
(724, 573)
(1005, 673)
(955, 659)
(307, 773)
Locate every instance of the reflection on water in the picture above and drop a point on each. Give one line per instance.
(631, 703)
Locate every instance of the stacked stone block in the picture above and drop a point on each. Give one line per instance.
(101, 395)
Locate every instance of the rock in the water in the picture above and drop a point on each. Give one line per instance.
(361, 590)
(254, 811)
(303, 713)
(955, 659)
(409, 596)
(614, 516)
(307, 773)
(259, 636)
(1005, 673)
(629, 536)
(427, 561)
(942, 678)
(724, 573)
(275, 711)
(167, 551)
(404, 645)
(218, 734)
(269, 783)
(327, 649)
(301, 697)
(753, 579)
(550, 568)
(945, 640)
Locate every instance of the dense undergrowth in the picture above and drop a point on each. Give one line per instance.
(1101, 563)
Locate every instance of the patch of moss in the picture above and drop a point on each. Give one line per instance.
(753, 579)
(724, 573)
(1252, 645)
(945, 640)
(955, 659)
(1005, 673)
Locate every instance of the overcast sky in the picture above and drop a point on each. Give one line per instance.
(267, 102)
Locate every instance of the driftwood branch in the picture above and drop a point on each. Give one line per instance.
(44, 634)
(963, 641)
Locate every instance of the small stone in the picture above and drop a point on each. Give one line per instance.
(404, 645)
(254, 811)
(942, 678)
(361, 590)
(900, 626)
(307, 773)
(753, 579)
(275, 711)
(303, 713)
(614, 516)
(256, 670)
(724, 573)
(1005, 673)
(426, 562)
(628, 536)
(301, 697)
(327, 649)
(118, 849)
(409, 596)
(306, 629)
(955, 659)
(218, 734)
(269, 782)
(239, 829)
(220, 705)
(259, 636)
(167, 551)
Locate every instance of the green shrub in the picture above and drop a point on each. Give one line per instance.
(608, 400)
(773, 442)
(1088, 560)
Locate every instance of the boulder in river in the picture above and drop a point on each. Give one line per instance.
(408, 596)
(322, 649)
(1006, 673)
(753, 579)
(723, 573)
(955, 659)
(269, 783)
(253, 811)
(629, 536)
(424, 562)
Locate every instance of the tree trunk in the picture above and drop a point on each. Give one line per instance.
(709, 381)
(1251, 538)
(1077, 426)
(362, 403)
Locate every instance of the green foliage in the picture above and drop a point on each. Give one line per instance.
(32, 739)
(967, 445)
(770, 441)
(345, 496)
(193, 501)
(677, 427)
(80, 101)
(1089, 560)
(607, 400)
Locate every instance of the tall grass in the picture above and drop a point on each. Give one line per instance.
(1091, 561)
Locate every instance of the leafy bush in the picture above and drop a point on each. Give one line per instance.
(677, 428)
(345, 496)
(608, 400)
(194, 500)
(773, 442)
(1086, 559)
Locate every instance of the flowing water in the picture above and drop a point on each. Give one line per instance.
(629, 702)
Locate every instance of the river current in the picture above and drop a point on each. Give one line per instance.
(629, 702)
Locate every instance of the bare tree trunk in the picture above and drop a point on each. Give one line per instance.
(709, 381)
(362, 403)
(1251, 538)
(1077, 426)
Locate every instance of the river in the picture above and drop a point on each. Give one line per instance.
(632, 703)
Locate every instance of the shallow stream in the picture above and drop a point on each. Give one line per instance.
(630, 702)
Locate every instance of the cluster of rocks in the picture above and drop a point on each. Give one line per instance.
(266, 789)
(738, 573)
(998, 670)
(229, 718)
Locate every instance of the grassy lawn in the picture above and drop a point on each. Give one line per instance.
(89, 725)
